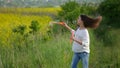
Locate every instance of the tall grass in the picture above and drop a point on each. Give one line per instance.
(54, 53)
(36, 54)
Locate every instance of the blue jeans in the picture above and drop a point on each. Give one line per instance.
(84, 56)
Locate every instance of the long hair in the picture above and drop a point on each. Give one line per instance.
(91, 22)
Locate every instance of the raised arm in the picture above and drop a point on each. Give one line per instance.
(69, 28)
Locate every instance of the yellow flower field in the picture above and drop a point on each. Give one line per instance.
(53, 11)
(9, 20)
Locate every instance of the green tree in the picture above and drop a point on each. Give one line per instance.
(70, 11)
(110, 9)
(34, 27)
(20, 29)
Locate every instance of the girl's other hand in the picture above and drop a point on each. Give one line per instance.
(72, 38)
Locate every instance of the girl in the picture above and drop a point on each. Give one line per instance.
(81, 39)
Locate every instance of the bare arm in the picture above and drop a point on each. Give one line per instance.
(69, 28)
(78, 41)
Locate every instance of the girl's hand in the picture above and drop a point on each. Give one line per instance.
(72, 38)
(63, 24)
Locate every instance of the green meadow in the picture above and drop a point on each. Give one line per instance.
(27, 40)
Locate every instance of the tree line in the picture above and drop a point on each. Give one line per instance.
(39, 3)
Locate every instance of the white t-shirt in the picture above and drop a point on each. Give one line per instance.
(82, 35)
